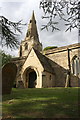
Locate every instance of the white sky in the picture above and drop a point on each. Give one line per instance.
(22, 10)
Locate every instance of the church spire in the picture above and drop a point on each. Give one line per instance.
(32, 39)
(33, 16)
(32, 28)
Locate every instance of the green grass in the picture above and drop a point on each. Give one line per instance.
(41, 103)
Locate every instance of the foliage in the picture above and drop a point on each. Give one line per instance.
(8, 33)
(66, 10)
(5, 57)
(41, 103)
(50, 47)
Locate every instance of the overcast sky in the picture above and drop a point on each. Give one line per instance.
(22, 10)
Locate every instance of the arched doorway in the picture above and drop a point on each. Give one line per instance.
(32, 79)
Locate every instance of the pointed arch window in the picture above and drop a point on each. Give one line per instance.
(76, 65)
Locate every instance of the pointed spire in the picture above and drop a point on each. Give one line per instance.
(33, 16)
(32, 39)
(32, 28)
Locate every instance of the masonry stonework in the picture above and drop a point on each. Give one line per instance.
(50, 68)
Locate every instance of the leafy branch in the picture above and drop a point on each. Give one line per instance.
(66, 10)
(9, 32)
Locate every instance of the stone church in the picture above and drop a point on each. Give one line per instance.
(41, 69)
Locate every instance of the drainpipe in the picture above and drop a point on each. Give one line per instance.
(68, 76)
(69, 67)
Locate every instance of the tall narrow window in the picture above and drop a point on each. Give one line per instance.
(76, 66)
(50, 77)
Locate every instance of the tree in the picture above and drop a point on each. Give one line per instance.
(9, 32)
(66, 10)
(5, 58)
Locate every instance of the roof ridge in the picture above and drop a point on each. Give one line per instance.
(44, 61)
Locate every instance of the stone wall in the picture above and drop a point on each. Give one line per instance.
(59, 73)
(59, 61)
(33, 63)
(75, 81)
(61, 56)
(19, 61)
(48, 80)
(58, 58)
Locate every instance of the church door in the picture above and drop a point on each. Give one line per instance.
(32, 79)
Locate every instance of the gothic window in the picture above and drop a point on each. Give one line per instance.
(76, 65)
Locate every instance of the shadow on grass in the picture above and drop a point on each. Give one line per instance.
(41, 103)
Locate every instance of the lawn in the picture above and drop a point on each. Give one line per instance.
(41, 103)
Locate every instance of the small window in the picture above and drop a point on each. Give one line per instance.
(50, 77)
(35, 21)
(30, 21)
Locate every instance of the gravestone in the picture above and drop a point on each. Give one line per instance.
(9, 72)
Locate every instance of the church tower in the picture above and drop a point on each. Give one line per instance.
(31, 40)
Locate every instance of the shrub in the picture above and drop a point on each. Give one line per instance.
(50, 47)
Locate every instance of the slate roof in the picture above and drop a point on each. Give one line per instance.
(44, 61)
